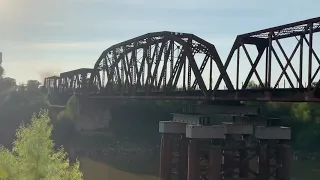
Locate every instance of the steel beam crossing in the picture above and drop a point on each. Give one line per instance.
(169, 65)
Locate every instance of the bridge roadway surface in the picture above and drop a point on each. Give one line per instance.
(170, 65)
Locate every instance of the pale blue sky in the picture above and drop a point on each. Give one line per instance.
(42, 37)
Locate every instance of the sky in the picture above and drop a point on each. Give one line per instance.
(41, 38)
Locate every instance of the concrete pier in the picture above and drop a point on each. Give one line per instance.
(223, 142)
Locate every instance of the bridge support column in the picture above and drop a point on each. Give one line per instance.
(263, 173)
(193, 160)
(165, 157)
(173, 150)
(237, 152)
(215, 161)
(183, 158)
(285, 159)
(243, 155)
(275, 156)
(225, 144)
(205, 152)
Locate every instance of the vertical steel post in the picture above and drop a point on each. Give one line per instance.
(301, 61)
(269, 59)
(210, 80)
(310, 56)
(238, 67)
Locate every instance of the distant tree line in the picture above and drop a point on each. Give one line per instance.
(302, 117)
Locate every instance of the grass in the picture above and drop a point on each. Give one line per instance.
(93, 170)
(306, 171)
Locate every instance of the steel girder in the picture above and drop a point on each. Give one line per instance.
(51, 83)
(78, 80)
(158, 62)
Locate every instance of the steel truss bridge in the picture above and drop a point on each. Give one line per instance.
(170, 65)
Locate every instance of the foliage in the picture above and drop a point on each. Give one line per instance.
(252, 85)
(33, 85)
(1, 72)
(33, 155)
(63, 131)
(71, 109)
(301, 111)
(302, 117)
(7, 83)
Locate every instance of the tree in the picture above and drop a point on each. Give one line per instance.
(1, 72)
(33, 85)
(7, 83)
(33, 155)
(21, 88)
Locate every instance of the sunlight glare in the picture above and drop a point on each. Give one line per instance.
(5, 7)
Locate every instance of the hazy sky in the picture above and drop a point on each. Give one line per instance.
(42, 37)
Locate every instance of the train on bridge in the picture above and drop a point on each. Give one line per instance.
(170, 65)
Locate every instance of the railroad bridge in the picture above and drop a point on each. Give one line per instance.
(211, 141)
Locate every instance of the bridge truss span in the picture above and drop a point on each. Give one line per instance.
(283, 57)
(279, 59)
(160, 62)
(75, 81)
(282, 62)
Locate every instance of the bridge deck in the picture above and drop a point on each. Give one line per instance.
(281, 95)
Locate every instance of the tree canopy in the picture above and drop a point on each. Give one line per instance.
(7, 83)
(33, 155)
(33, 85)
(1, 71)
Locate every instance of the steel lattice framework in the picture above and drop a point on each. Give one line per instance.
(73, 81)
(51, 83)
(266, 41)
(155, 62)
(167, 65)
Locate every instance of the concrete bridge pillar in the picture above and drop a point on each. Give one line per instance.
(205, 152)
(183, 158)
(173, 150)
(215, 155)
(193, 160)
(223, 143)
(275, 155)
(165, 156)
(285, 159)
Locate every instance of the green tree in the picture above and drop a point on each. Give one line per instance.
(33, 155)
(7, 83)
(33, 85)
(302, 111)
(72, 109)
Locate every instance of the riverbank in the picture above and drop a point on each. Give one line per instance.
(95, 170)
